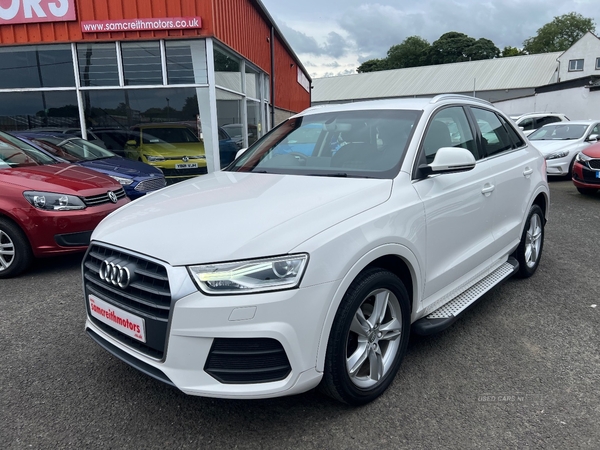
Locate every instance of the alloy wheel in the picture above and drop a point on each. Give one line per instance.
(7, 251)
(373, 339)
(533, 241)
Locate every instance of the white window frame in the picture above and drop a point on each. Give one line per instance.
(597, 63)
(573, 65)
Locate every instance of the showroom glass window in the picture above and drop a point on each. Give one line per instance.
(253, 104)
(229, 115)
(575, 65)
(141, 63)
(26, 110)
(227, 71)
(98, 64)
(124, 108)
(37, 66)
(186, 62)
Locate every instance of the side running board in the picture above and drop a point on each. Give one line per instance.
(447, 314)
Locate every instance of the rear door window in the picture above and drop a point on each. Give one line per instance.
(494, 137)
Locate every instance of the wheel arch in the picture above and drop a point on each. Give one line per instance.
(395, 258)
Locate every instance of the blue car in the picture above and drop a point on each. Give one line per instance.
(137, 178)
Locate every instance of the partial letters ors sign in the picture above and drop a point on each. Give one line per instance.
(32, 11)
(165, 23)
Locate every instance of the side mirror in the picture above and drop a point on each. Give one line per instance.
(593, 137)
(449, 160)
(240, 152)
(131, 143)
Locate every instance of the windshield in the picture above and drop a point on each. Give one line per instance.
(15, 153)
(558, 132)
(369, 143)
(72, 149)
(172, 135)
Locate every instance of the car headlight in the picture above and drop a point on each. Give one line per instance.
(153, 158)
(122, 181)
(49, 201)
(557, 155)
(251, 276)
(583, 159)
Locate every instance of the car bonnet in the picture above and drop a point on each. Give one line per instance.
(227, 216)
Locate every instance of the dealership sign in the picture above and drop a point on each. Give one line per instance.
(32, 11)
(166, 23)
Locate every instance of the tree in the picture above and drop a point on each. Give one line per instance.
(511, 51)
(372, 65)
(451, 47)
(560, 34)
(482, 49)
(412, 52)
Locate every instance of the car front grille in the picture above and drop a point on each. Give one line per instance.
(95, 200)
(249, 360)
(594, 164)
(148, 296)
(151, 185)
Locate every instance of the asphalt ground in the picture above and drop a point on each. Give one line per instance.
(519, 369)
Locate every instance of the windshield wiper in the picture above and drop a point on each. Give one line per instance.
(335, 175)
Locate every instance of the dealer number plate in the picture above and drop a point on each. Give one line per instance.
(123, 321)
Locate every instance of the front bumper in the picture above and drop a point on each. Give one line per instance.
(558, 166)
(585, 177)
(292, 318)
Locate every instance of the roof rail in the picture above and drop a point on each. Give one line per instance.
(439, 98)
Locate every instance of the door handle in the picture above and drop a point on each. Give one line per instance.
(528, 171)
(488, 189)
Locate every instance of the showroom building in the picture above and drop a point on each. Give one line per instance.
(112, 65)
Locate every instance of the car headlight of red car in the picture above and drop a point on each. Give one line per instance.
(583, 159)
(50, 201)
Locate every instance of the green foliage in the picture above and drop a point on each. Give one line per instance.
(372, 65)
(412, 52)
(511, 51)
(482, 49)
(451, 47)
(560, 34)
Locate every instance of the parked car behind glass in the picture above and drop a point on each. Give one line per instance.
(312, 269)
(173, 148)
(137, 178)
(47, 207)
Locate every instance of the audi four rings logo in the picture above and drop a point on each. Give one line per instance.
(112, 197)
(115, 274)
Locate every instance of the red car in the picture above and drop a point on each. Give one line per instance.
(47, 208)
(586, 170)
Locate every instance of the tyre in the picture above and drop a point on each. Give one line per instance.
(368, 338)
(585, 191)
(15, 251)
(529, 251)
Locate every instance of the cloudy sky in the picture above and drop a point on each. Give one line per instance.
(333, 37)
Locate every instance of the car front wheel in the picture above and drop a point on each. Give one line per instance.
(368, 338)
(529, 251)
(15, 251)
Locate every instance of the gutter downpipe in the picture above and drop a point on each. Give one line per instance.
(272, 76)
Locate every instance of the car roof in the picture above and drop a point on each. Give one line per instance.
(423, 103)
(572, 122)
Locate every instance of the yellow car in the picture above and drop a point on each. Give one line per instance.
(173, 148)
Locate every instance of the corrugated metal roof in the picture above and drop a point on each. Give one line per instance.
(516, 72)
